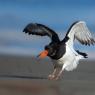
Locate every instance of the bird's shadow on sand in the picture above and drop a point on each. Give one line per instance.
(22, 77)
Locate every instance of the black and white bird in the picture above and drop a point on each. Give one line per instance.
(62, 52)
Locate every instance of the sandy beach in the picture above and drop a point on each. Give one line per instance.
(28, 76)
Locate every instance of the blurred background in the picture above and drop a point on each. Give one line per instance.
(23, 74)
(56, 14)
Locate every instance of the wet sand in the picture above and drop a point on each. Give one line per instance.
(28, 76)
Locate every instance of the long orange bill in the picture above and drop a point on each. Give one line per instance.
(43, 54)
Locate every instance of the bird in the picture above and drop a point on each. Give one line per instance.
(62, 52)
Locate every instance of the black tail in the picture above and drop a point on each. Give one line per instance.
(83, 54)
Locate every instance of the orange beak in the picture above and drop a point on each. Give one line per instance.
(43, 54)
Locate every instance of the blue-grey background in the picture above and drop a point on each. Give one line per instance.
(56, 14)
(16, 70)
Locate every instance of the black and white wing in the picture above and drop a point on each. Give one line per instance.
(79, 31)
(41, 30)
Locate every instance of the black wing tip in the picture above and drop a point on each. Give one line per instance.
(88, 42)
(92, 41)
(28, 28)
(26, 31)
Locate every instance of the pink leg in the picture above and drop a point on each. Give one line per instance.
(61, 71)
(54, 74)
(59, 74)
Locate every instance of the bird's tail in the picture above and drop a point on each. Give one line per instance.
(83, 54)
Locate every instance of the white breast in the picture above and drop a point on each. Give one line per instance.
(67, 57)
(70, 59)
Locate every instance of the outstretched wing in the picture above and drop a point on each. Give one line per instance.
(79, 31)
(41, 30)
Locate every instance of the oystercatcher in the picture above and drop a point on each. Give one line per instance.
(62, 52)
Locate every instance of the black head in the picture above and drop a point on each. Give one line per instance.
(56, 50)
(52, 49)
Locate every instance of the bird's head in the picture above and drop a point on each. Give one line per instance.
(50, 50)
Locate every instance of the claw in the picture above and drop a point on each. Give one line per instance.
(51, 77)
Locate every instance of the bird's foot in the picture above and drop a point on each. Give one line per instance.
(53, 77)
